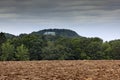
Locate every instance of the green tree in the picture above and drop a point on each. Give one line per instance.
(22, 53)
(94, 50)
(55, 52)
(79, 46)
(49, 52)
(7, 51)
(115, 45)
(2, 40)
(33, 42)
(83, 56)
(107, 50)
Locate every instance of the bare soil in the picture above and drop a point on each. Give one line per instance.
(60, 70)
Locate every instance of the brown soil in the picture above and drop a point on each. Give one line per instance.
(60, 70)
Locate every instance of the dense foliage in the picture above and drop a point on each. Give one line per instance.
(51, 47)
(58, 32)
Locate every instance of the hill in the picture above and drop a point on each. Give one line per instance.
(9, 35)
(57, 32)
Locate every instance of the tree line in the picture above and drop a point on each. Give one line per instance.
(48, 47)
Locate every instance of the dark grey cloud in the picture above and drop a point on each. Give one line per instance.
(60, 10)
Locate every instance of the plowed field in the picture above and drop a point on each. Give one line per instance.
(60, 70)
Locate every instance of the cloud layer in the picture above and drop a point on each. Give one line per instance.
(48, 11)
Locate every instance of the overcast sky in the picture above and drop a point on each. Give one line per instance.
(90, 18)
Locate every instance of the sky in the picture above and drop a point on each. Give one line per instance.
(89, 18)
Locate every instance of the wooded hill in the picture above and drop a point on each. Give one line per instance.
(56, 44)
(58, 32)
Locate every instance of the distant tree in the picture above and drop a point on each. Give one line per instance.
(2, 40)
(84, 56)
(49, 52)
(79, 46)
(94, 50)
(115, 45)
(107, 50)
(22, 53)
(96, 39)
(55, 52)
(33, 42)
(8, 51)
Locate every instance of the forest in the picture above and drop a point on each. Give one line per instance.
(69, 46)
